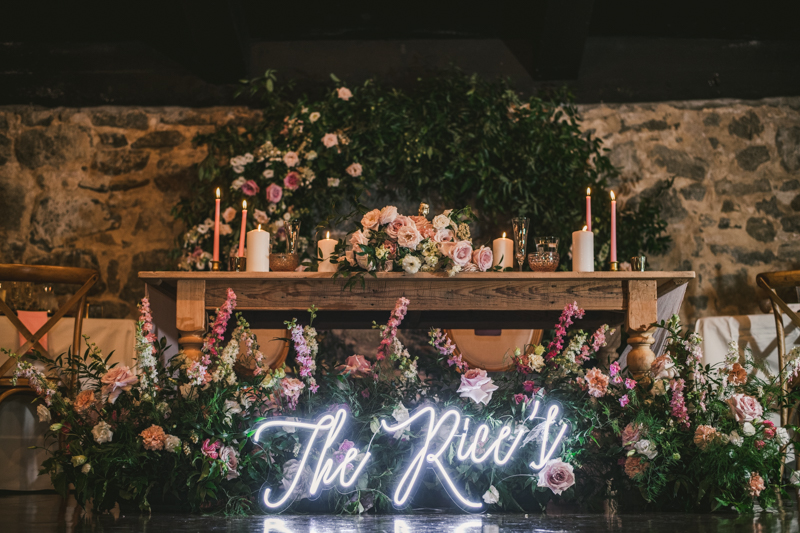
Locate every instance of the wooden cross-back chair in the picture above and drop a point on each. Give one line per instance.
(84, 277)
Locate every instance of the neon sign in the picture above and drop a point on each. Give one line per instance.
(434, 424)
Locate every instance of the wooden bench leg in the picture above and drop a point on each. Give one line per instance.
(191, 316)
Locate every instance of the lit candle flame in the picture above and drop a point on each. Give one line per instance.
(217, 192)
(588, 191)
(612, 196)
(259, 227)
(328, 235)
(504, 234)
(585, 228)
(244, 204)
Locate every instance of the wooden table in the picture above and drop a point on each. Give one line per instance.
(512, 300)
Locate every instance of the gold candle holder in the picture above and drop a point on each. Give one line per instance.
(614, 266)
(237, 264)
(214, 266)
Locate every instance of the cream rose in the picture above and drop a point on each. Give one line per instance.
(441, 221)
(744, 408)
(330, 140)
(102, 432)
(388, 214)
(290, 159)
(371, 220)
(409, 237)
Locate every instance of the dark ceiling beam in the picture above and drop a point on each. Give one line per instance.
(555, 49)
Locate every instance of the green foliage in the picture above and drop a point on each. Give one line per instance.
(452, 138)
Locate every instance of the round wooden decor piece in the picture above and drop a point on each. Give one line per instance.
(272, 345)
(491, 350)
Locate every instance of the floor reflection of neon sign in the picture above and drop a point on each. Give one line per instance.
(439, 430)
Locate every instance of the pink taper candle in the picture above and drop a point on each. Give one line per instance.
(613, 227)
(588, 209)
(216, 230)
(244, 228)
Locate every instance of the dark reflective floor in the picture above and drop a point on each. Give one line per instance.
(46, 513)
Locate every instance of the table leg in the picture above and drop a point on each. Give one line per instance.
(642, 311)
(190, 316)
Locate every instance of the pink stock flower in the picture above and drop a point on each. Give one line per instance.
(442, 343)
(564, 322)
(274, 193)
(483, 258)
(613, 370)
(630, 383)
(250, 188)
(677, 402)
(623, 401)
(290, 390)
(218, 328)
(292, 181)
(389, 333)
(116, 380)
(210, 450)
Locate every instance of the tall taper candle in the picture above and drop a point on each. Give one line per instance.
(503, 249)
(216, 230)
(588, 209)
(257, 250)
(326, 247)
(583, 251)
(244, 228)
(613, 227)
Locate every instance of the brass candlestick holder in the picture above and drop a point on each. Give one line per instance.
(214, 266)
(614, 266)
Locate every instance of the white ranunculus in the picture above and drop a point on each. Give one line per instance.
(172, 444)
(646, 448)
(736, 439)
(290, 429)
(491, 496)
(749, 429)
(782, 436)
(43, 413)
(411, 264)
(102, 432)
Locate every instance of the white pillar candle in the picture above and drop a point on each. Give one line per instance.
(582, 251)
(326, 247)
(258, 250)
(503, 249)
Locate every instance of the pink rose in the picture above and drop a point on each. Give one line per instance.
(344, 93)
(443, 235)
(556, 475)
(388, 214)
(461, 253)
(409, 237)
(229, 214)
(210, 450)
(631, 435)
(744, 408)
(250, 188)
(292, 181)
(330, 140)
(227, 454)
(354, 170)
(477, 386)
(290, 159)
(357, 366)
(274, 193)
(400, 221)
(260, 216)
(483, 258)
(116, 380)
(371, 220)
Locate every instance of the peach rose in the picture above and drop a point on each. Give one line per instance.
(483, 258)
(330, 140)
(421, 222)
(409, 237)
(756, 484)
(371, 220)
(737, 375)
(229, 214)
(290, 159)
(634, 466)
(153, 438)
(354, 170)
(116, 380)
(704, 436)
(357, 366)
(388, 214)
(399, 222)
(344, 93)
(84, 401)
(744, 408)
(597, 382)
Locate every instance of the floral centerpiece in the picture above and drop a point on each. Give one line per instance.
(180, 429)
(389, 241)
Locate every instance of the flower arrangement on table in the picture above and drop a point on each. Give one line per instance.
(389, 241)
(180, 431)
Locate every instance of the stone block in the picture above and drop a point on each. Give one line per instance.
(5, 149)
(159, 139)
(61, 219)
(695, 192)
(787, 140)
(761, 229)
(115, 140)
(741, 188)
(752, 157)
(114, 163)
(735, 294)
(746, 127)
(791, 223)
(39, 147)
(679, 163)
(158, 259)
(120, 118)
(769, 207)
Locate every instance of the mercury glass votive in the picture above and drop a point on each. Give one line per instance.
(543, 261)
(283, 262)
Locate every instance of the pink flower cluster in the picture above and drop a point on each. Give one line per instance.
(307, 364)
(446, 348)
(678, 403)
(146, 318)
(219, 326)
(389, 333)
(209, 449)
(36, 380)
(564, 322)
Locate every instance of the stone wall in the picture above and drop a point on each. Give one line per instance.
(94, 187)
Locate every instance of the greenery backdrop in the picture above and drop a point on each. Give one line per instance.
(453, 139)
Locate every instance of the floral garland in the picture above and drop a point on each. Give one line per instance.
(676, 439)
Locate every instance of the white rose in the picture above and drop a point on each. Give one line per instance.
(44, 414)
(411, 264)
(736, 439)
(269, 173)
(313, 117)
(400, 413)
(646, 448)
(388, 214)
(86, 468)
(748, 429)
(333, 182)
(491, 496)
(102, 432)
(172, 444)
(237, 183)
(782, 436)
(441, 221)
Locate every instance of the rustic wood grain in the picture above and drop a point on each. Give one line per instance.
(642, 304)
(191, 308)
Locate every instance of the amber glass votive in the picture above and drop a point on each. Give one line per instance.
(283, 262)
